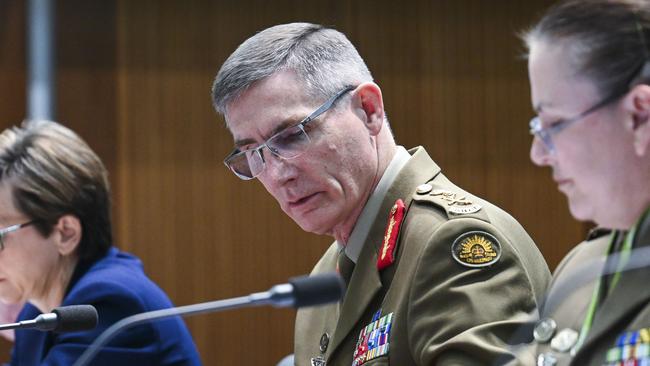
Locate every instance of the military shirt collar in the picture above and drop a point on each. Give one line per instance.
(371, 209)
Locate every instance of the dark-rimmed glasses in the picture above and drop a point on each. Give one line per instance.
(10, 229)
(286, 144)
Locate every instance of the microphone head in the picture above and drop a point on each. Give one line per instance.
(74, 318)
(318, 289)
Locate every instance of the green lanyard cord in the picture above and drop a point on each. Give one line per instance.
(589, 318)
(624, 257)
(625, 253)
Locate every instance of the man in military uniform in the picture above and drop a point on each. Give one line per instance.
(435, 275)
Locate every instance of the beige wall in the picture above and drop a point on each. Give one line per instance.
(134, 80)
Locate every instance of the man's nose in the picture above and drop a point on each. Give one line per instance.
(277, 168)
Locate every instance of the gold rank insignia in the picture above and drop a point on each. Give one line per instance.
(457, 205)
(476, 249)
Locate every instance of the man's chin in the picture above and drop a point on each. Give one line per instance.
(314, 229)
(312, 225)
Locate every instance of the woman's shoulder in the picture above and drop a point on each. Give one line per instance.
(119, 276)
(590, 250)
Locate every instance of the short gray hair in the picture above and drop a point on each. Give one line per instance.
(322, 58)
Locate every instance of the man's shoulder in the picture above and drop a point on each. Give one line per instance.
(444, 218)
(439, 203)
(449, 200)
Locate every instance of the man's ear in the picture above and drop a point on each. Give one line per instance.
(69, 232)
(369, 101)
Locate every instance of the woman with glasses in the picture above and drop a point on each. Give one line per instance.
(56, 250)
(589, 69)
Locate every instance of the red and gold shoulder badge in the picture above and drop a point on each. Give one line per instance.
(476, 249)
(386, 255)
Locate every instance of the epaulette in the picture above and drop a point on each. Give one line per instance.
(453, 201)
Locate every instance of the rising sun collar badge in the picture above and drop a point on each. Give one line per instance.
(476, 249)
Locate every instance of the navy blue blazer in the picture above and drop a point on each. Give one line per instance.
(117, 286)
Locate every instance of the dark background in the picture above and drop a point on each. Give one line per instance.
(134, 79)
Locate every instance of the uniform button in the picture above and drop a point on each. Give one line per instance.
(564, 340)
(546, 359)
(423, 188)
(324, 342)
(544, 330)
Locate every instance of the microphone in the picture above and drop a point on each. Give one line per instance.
(299, 292)
(315, 290)
(72, 318)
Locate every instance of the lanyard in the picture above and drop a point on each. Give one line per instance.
(624, 256)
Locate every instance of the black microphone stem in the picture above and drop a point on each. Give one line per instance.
(257, 299)
(303, 291)
(11, 326)
(43, 319)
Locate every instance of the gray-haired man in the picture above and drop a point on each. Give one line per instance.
(436, 275)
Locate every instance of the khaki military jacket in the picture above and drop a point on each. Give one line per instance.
(621, 325)
(440, 310)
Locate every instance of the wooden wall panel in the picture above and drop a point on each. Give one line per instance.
(453, 81)
(86, 75)
(205, 234)
(12, 81)
(85, 69)
(134, 80)
(12, 62)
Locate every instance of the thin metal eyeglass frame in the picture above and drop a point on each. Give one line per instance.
(236, 153)
(546, 133)
(10, 229)
(639, 75)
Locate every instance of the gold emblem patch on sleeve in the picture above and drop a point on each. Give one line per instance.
(476, 249)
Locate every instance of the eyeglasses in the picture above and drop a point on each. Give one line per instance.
(640, 75)
(287, 144)
(546, 133)
(10, 229)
